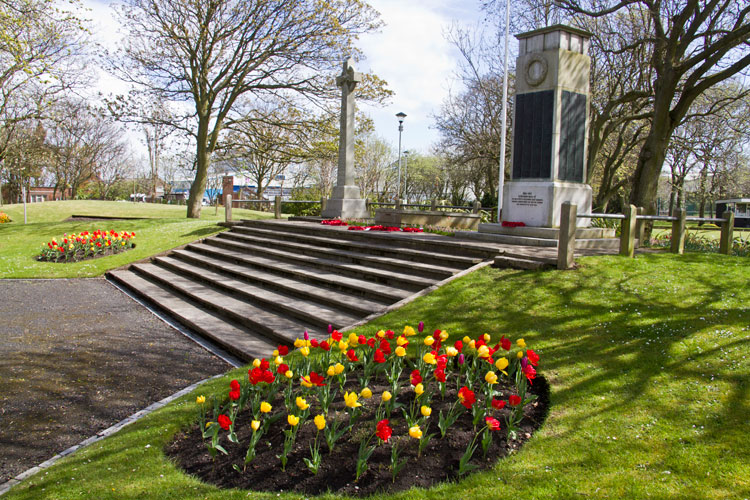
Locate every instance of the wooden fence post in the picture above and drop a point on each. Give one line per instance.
(477, 206)
(323, 202)
(727, 233)
(566, 242)
(640, 228)
(433, 205)
(228, 208)
(627, 232)
(678, 231)
(277, 207)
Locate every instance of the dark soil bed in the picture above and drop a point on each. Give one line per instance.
(438, 462)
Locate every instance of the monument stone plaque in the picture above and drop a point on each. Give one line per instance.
(550, 127)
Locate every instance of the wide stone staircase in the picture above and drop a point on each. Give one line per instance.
(264, 283)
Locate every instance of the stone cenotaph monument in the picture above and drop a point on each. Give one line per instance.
(550, 128)
(345, 201)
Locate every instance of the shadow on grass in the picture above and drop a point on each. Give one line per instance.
(203, 231)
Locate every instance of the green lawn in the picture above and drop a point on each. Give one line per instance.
(166, 227)
(649, 364)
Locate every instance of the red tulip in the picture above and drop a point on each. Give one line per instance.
(379, 356)
(234, 395)
(234, 385)
(385, 346)
(314, 343)
(383, 430)
(533, 357)
(264, 364)
(282, 369)
(336, 335)
(530, 372)
(467, 397)
(514, 400)
(498, 404)
(224, 422)
(493, 424)
(325, 346)
(440, 375)
(351, 355)
(459, 345)
(283, 350)
(505, 343)
(416, 378)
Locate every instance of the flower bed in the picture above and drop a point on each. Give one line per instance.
(86, 245)
(337, 222)
(4, 218)
(355, 415)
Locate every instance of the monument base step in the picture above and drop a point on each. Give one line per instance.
(581, 244)
(546, 232)
(504, 261)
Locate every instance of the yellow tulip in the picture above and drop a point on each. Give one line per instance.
(278, 360)
(487, 337)
(387, 396)
(339, 368)
(305, 351)
(275, 353)
(265, 407)
(353, 338)
(400, 352)
(299, 343)
(521, 343)
(428, 341)
(444, 335)
(466, 339)
(409, 331)
(292, 419)
(426, 411)
(483, 351)
(415, 432)
(401, 340)
(343, 346)
(419, 389)
(256, 363)
(200, 400)
(491, 377)
(366, 393)
(320, 422)
(429, 358)
(289, 374)
(301, 403)
(331, 371)
(255, 424)
(350, 398)
(208, 424)
(381, 334)
(451, 351)
(519, 355)
(473, 344)
(501, 364)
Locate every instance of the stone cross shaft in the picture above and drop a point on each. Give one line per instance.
(347, 81)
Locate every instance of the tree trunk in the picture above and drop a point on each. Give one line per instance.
(203, 160)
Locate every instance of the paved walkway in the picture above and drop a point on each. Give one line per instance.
(77, 356)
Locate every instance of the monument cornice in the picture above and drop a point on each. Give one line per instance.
(553, 28)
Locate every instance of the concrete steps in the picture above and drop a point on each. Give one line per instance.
(264, 283)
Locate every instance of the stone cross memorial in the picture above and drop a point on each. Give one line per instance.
(346, 202)
(550, 128)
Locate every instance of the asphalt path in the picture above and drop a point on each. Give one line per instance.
(77, 356)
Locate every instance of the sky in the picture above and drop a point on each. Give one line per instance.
(410, 53)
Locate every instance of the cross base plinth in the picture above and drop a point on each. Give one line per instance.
(346, 208)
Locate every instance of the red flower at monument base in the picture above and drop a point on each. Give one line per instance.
(507, 223)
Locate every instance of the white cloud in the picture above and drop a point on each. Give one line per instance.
(419, 64)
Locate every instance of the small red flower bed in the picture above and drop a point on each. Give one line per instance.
(86, 245)
(361, 417)
(334, 222)
(507, 223)
(337, 222)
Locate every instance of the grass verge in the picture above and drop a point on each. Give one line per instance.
(163, 227)
(649, 365)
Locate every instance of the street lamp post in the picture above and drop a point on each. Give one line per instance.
(400, 115)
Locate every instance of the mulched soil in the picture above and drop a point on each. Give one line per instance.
(438, 462)
(77, 356)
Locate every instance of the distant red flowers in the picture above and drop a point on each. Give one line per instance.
(385, 228)
(507, 223)
(334, 222)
